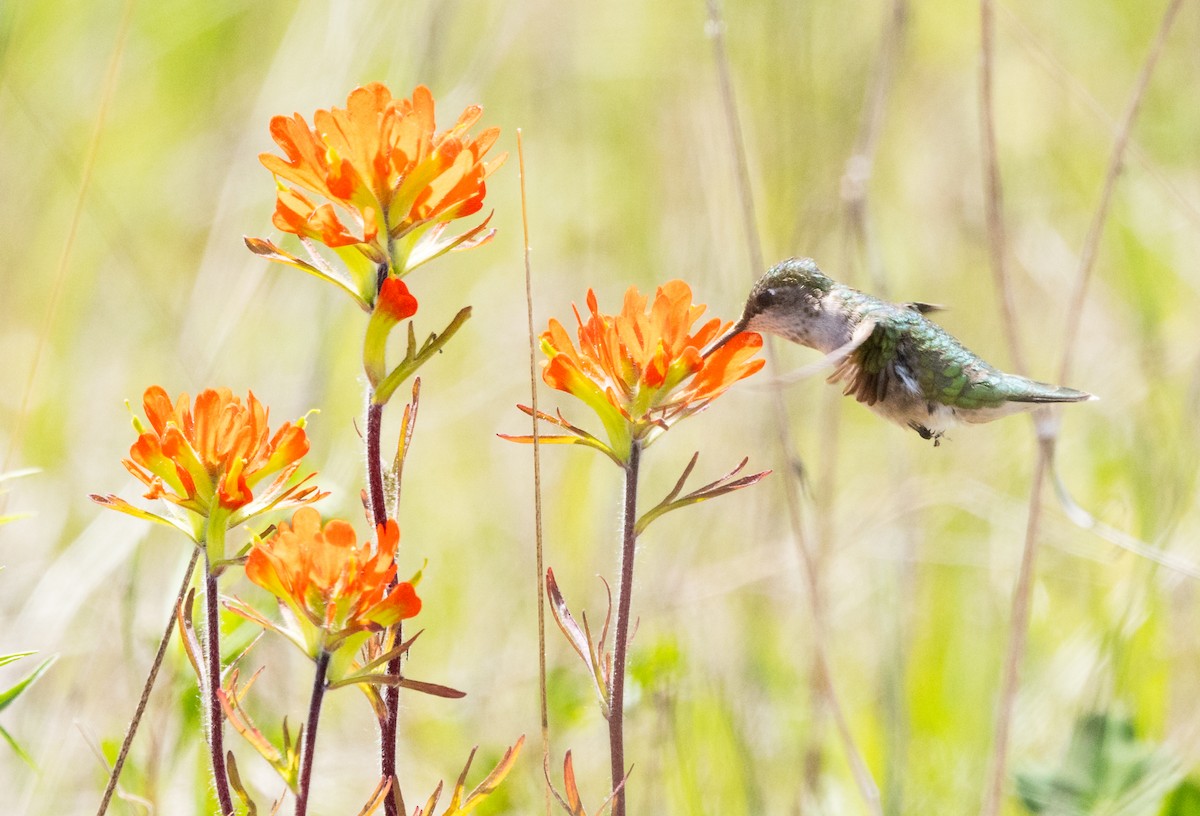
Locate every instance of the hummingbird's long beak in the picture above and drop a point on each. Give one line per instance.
(737, 329)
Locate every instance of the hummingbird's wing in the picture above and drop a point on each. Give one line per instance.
(877, 367)
(906, 360)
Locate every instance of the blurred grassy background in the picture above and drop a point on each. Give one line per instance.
(631, 181)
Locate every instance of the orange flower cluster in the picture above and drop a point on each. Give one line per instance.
(213, 454)
(642, 370)
(210, 458)
(392, 183)
(334, 585)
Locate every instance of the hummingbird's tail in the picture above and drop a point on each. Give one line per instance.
(1025, 390)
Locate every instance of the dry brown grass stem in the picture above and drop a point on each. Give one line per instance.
(1018, 632)
(1047, 428)
(859, 167)
(539, 579)
(64, 259)
(1087, 258)
(824, 681)
(148, 686)
(855, 192)
(993, 190)
(1039, 51)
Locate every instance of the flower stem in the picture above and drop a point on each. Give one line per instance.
(391, 694)
(375, 463)
(212, 643)
(310, 732)
(616, 714)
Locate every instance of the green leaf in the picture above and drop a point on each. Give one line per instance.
(268, 250)
(17, 749)
(414, 359)
(723, 485)
(1106, 770)
(578, 435)
(1184, 800)
(9, 658)
(15, 691)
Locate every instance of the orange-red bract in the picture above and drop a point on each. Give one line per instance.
(642, 369)
(213, 452)
(335, 586)
(391, 182)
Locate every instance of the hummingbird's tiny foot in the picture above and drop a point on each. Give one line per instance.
(926, 433)
(922, 430)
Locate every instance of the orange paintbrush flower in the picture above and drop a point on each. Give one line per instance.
(209, 457)
(335, 587)
(642, 370)
(390, 184)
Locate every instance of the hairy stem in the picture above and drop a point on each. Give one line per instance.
(131, 732)
(310, 732)
(391, 694)
(616, 714)
(216, 720)
(375, 464)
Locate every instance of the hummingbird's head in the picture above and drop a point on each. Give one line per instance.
(790, 292)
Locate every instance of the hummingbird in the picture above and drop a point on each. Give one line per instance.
(893, 359)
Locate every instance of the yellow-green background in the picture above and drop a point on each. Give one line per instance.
(630, 182)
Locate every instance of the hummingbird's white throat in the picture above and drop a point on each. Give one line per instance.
(824, 325)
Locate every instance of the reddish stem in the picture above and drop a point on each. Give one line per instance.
(216, 722)
(375, 464)
(616, 712)
(310, 732)
(391, 694)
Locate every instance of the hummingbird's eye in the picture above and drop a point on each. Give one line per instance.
(767, 298)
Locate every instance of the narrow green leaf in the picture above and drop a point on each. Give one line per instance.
(9, 658)
(17, 749)
(14, 692)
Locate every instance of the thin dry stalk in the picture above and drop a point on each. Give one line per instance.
(151, 676)
(857, 234)
(993, 191)
(859, 167)
(1018, 632)
(64, 260)
(1057, 71)
(1087, 258)
(998, 255)
(537, 477)
(862, 776)
(1047, 430)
